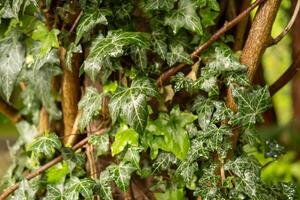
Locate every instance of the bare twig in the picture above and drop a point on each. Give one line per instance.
(9, 111)
(227, 26)
(286, 76)
(288, 27)
(75, 22)
(43, 168)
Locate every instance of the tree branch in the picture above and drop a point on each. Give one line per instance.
(9, 111)
(286, 76)
(288, 27)
(227, 26)
(43, 168)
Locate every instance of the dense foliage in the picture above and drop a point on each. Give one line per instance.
(177, 139)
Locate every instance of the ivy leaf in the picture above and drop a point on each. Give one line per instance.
(185, 17)
(125, 136)
(181, 82)
(178, 55)
(69, 55)
(139, 56)
(121, 174)
(90, 105)
(26, 190)
(167, 132)
(45, 145)
(131, 103)
(213, 4)
(251, 104)
(46, 37)
(10, 8)
(204, 107)
(55, 192)
(76, 186)
(159, 45)
(57, 173)
(132, 156)
(89, 20)
(112, 46)
(100, 142)
(165, 5)
(75, 160)
(164, 161)
(197, 150)
(187, 171)
(104, 184)
(12, 56)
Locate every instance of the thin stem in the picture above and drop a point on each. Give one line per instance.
(43, 168)
(75, 22)
(227, 26)
(288, 27)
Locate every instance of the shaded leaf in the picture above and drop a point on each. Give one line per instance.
(76, 186)
(178, 55)
(100, 143)
(121, 174)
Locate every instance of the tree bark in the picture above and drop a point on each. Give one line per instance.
(296, 79)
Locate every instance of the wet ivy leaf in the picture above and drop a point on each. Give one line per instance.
(89, 19)
(100, 143)
(131, 103)
(185, 17)
(178, 55)
(47, 38)
(104, 184)
(90, 105)
(125, 136)
(197, 150)
(75, 186)
(26, 191)
(251, 104)
(12, 56)
(112, 46)
(164, 161)
(180, 82)
(159, 45)
(69, 55)
(132, 156)
(187, 171)
(168, 133)
(139, 56)
(121, 174)
(45, 145)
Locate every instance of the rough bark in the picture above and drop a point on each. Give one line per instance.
(70, 88)
(259, 36)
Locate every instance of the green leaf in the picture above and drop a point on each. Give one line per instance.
(151, 5)
(167, 132)
(10, 8)
(89, 20)
(187, 171)
(178, 55)
(212, 4)
(25, 191)
(101, 143)
(12, 56)
(46, 37)
(159, 45)
(180, 82)
(27, 132)
(104, 184)
(57, 173)
(139, 56)
(197, 150)
(69, 55)
(204, 107)
(125, 136)
(251, 104)
(112, 46)
(55, 192)
(185, 17)
(45, 145)
(171, 194)
(76, 186)
(90, 105)
(164, 161)
(121, 174)
(131, 103)
(132, 156)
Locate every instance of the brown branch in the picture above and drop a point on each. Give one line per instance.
(288, 27)
(227, 26)
(10, 112)
(43, 168)
(259, 36)
(43, 121)
(286, 76)
(75, 22)
(70, 92)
